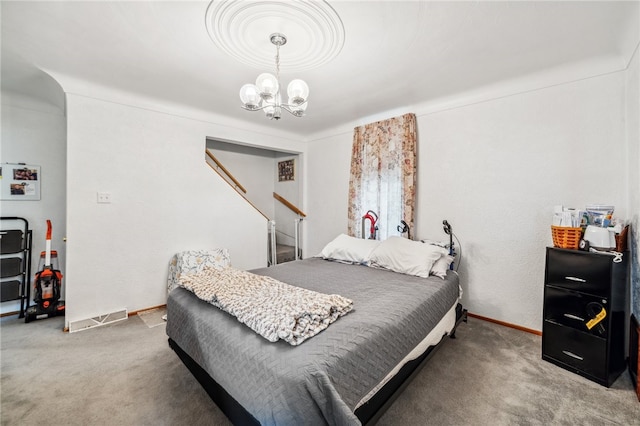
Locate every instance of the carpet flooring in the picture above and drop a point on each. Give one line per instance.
(125, 374)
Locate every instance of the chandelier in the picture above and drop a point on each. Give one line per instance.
(265, 94)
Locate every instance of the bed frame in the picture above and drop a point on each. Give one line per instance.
(368, 413)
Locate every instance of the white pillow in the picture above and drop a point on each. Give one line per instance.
(406, 256)
(349, 249)
(441, 266)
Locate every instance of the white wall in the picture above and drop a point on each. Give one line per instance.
(494, 170)
(633, 137)
(34, 132)
(164, 200)
(327, 189)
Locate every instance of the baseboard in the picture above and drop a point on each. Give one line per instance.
(129, 314)
(480, 317)
(132, 313)
(97, 321)
(506, 324)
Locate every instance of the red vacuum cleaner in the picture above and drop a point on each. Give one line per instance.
(47, 286)
(373, 229)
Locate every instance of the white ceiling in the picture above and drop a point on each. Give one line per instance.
(396, 54)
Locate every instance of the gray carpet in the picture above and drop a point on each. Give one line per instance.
(125, 374)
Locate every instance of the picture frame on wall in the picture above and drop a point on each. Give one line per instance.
(19, 182)
(286, 170)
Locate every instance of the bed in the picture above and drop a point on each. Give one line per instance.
(347, 374)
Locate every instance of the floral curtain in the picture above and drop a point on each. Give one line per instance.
(383, 176)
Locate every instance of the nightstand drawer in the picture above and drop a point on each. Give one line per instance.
(575, 349)
(576, 310)
(579, 271)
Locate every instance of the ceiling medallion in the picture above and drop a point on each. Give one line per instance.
(314, 31)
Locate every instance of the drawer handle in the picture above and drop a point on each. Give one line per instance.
(572, 355)
(574, 317)
(580, 280)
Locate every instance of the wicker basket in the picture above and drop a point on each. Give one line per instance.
(565, 237)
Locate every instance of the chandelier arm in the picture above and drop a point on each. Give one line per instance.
(293, 105)
(295, 114)
(285, 107)
(255, 109)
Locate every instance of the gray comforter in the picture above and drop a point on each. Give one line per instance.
(322, 380)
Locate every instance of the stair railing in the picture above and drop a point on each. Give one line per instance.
(233, 182)
(220, 169)
(224, 170)
(288, 204)
(300, 216)
(271, 224)
(297, 237)
(272, 243)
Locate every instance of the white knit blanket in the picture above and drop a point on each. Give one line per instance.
(271, 308)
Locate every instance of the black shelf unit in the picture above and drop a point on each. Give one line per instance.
(578, 286)
(15, 261)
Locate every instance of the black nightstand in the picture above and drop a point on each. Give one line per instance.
(586, 313)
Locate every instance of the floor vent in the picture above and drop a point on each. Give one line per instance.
(98, 321)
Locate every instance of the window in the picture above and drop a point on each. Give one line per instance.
(383, 175)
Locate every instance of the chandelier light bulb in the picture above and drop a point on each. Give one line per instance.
(298, 91)
(250, 96)
(268, 85)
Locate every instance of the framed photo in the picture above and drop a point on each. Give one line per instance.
(286, 170)
(19, 182)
